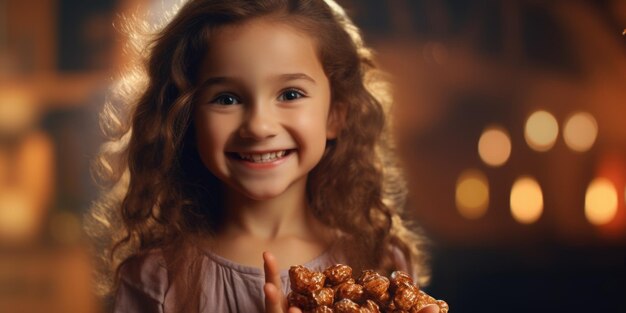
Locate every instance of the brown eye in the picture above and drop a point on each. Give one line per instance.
(290, 95)
(225, 99)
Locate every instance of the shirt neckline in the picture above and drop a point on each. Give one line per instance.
(251, 270)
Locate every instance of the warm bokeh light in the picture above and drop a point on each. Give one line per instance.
(580, 131)
(472, 194)
(494, 146)
(600, 201)
(18, 220)
(17, 109)
(526, 200)
(541, 131)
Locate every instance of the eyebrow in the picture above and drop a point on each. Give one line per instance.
(296, 76)
(282, 77)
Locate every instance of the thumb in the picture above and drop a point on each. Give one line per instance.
(294, 310)
(431, 308)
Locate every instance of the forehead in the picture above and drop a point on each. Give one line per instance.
(260, 45)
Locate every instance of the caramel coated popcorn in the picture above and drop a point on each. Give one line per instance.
(335, 291)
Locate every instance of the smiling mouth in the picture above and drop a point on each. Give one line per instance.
(265, 157)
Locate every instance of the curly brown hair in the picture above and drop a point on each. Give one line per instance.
(157, 192)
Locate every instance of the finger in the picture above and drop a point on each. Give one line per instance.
(273, 303)
(294, 310)
(431, 308)
(272, 274)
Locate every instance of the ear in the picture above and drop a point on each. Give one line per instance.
(336, 120)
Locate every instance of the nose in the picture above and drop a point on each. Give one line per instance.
(259, 123)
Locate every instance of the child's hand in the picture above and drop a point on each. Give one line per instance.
(275, 301)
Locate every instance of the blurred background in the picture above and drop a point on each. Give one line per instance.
(509, 121)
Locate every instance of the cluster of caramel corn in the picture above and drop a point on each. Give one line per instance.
(336, 291)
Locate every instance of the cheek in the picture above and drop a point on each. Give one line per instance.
(211, 137)
(312, 127)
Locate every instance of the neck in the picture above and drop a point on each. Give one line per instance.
(268, 219)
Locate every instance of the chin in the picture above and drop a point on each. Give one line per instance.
(261, 195)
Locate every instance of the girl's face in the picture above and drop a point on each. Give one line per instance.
(262, 119)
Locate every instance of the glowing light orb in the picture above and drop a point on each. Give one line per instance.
(472, 194)
(541, 131)
(600, 201)
(494, 146)
(526, 200)
(580, 131)
(18, 220)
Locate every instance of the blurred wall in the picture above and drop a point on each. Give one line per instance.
(509, 118)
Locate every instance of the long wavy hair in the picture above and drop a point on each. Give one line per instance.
(158, 194)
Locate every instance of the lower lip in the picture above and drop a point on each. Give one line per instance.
(265, 165)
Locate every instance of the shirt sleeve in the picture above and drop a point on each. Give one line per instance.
(130, 299)
(142, 287)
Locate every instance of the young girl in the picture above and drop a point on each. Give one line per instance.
(257, 141)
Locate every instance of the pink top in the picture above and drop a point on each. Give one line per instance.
(227, 287)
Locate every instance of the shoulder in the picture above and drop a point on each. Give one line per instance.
(146, 274)
(399, 258)
(402, 262)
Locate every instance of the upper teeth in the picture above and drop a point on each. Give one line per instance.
(262, 157)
